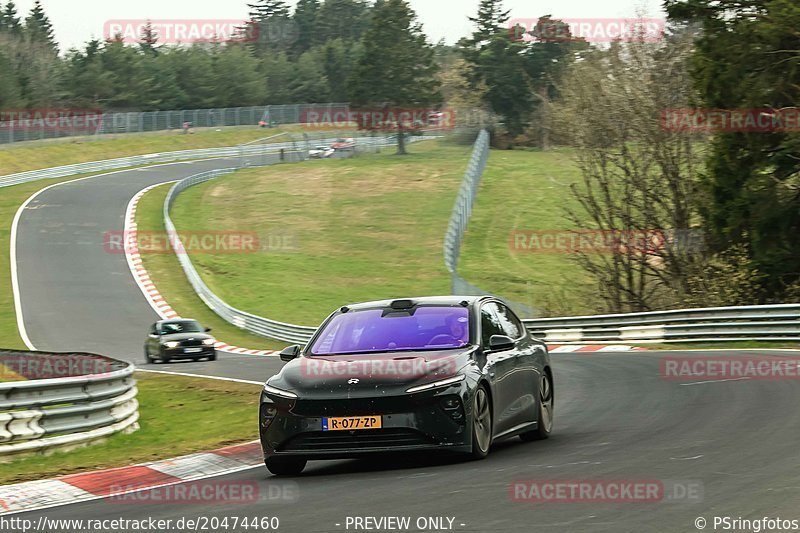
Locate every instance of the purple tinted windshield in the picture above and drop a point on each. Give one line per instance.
(429, 328)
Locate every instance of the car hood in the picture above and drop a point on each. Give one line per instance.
(366, 375)
(185, 336)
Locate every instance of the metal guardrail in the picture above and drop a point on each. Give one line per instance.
(64, 400)
(779, 322)
(141, 160)
(462, 210)
(247, 321)
(459, 220)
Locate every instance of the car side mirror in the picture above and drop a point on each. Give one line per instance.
(208, 329)
(290, 353)
(499, 343)
(153, 336)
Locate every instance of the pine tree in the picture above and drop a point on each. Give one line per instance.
(305, 20)
(268, 9)
(746, 58)
(495, 62)
(270, 26)
(341, 19)
(149, 39)
(10, 20)
(490, 20)
(10, 96)
(38, 27)
(397, 67)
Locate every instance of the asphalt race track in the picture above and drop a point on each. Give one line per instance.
(615, 418)
(76, 295)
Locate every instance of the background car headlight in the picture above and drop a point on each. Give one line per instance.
(172, 344)
(209, 342)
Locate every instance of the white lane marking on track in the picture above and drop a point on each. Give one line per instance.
(713, 381)
(687, 458)
(15, 224)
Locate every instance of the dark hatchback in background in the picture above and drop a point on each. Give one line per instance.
(437, 373)
(179, 339)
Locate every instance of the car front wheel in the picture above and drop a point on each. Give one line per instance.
(285, 466)
(481, 423)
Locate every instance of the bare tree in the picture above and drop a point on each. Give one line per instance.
(638, 177)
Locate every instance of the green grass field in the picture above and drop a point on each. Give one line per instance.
(373, 227)
(178, 416)
(165, 270)
(363, 228)
(526, 190)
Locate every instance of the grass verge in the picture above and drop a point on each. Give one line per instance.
(358, 229)
(526, 190)
(178, 416)
(165, 270)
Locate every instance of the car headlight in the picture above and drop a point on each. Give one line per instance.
(209, 342)
(436, 384)
(172, 344)
(279, 392)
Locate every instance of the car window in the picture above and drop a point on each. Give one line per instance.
(375, 330)
(509, 322)
(490, 323)
(184, 326)
(153, 329)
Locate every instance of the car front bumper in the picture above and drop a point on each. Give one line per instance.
(409, 423)
(181, 352)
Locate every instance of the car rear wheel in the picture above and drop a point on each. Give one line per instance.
(285, 466)
(481, 424)
(545, 424)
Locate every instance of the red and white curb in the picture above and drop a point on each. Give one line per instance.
(146, 284)
(573, 348)
(34, 495)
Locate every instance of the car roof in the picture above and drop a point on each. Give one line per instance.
(421, 300)
(174, 320)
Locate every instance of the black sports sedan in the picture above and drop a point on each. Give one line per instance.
(454, 373)
(179, 339)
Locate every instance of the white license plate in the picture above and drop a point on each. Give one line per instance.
(192, 350)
